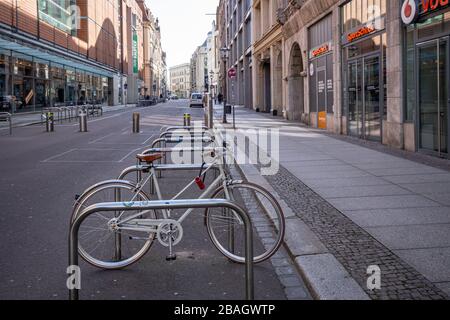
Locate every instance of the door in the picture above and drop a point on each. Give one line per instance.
(433, 97)
(364, 98)
(355, 111)
(372, 111)
(321, 99)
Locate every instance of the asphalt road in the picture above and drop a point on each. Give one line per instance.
(40, 175)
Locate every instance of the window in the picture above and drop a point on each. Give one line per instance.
(58, 13)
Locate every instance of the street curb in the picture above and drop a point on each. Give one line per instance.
(310, 255)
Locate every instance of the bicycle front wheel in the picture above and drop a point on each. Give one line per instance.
(226, 229)
(102, 241)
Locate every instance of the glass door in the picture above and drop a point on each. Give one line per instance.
(372, 111)
(433, 84)
(364, 98)
(355, 111)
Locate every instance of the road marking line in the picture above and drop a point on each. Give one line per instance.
(146, 141)
(128, 154)
(100, 139)
(59, 155)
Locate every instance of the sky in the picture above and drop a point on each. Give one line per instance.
(184, 26)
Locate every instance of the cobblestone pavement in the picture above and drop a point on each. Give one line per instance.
(355, 249)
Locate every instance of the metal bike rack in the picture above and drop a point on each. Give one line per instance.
(192, 134)
(191, 128)
(6, 116)
(166, 205)
(162, 143)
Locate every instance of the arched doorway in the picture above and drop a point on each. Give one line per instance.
(296, 107)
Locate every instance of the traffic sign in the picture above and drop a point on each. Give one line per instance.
(232, 73)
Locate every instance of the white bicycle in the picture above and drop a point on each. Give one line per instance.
(115, 240)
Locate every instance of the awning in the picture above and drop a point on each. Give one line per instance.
(67, 61)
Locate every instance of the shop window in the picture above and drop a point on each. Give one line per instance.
(42, 69)
(4, 61)
(364, 47)
(359, 12)
(23, 65)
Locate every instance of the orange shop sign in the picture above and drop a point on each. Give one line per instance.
(320, 50)
(362, 32)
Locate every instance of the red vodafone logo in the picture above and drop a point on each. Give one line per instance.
(409, 11)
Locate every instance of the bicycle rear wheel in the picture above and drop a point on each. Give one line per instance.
(227, 231)
(102, 243)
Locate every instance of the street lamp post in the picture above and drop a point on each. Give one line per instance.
(224, 53)
(211, 85)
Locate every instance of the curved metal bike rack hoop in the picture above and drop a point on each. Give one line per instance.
(184, 128)
(166, 205)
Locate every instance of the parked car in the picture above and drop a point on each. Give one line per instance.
(196, 100)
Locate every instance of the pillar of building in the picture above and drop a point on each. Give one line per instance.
(393, 131)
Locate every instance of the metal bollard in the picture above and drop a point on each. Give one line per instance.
(83, 121)
(50, 122)
(187, 120)
(136, 122)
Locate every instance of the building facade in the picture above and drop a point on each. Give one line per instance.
(155, 68)
(267, 56)
(213, 60)
(199, 69)
(180, 80)
(377, 70)
(236, 36)
(69, 52)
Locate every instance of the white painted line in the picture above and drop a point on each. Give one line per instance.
(68, 161)
(100, 139)
(59, 155)
(146, 141)
(129, 154)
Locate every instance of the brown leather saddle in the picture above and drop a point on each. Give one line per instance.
(149, 158)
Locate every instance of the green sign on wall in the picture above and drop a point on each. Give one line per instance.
(135, 53)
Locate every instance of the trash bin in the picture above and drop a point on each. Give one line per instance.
(228, 109)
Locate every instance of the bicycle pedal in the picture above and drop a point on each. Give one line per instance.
(171, 257)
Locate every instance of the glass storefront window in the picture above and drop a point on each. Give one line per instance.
(5, 97)
(364, 47)
(24, 93)
(23, 65)
(58, 71)
(360, 12)
(4, 61)
(42, 69)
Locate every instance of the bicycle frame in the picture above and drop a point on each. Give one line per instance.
(148, 225)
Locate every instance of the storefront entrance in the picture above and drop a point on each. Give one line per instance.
(433, 83)
(364, 98)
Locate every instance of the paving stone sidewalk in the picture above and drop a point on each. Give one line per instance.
(350, 207)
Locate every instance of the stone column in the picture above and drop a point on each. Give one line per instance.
(393, 131)
(337, 74)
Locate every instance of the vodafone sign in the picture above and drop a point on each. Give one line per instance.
(413, 9)
(410, 11)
